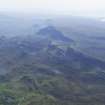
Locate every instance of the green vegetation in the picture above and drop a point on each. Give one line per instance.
(45, 70)
(24, 97)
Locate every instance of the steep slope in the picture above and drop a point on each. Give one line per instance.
(88, 33)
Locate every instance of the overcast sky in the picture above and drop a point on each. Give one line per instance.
(74, 7)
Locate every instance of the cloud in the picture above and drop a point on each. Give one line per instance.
(55, 6)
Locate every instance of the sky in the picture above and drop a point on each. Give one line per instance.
(72, 7)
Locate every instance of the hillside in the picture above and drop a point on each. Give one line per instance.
(46, 68)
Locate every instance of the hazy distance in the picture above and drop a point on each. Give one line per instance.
(88, 8)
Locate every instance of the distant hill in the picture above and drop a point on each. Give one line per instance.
(53, 33)
(48, 64)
